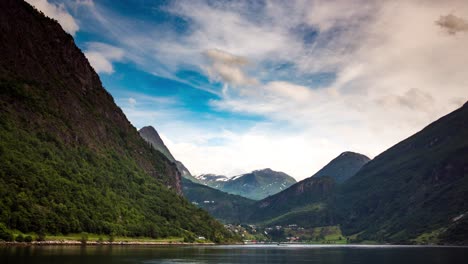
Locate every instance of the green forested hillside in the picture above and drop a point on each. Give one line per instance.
(225, 207)
(343, 167)
(418, 186)
(309, 202)
(304, 203)
(415, 192)
(69, 159)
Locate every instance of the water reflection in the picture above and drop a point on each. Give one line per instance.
(233, 254)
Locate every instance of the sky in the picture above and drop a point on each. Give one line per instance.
(235, 86)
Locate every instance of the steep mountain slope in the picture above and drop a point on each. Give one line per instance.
(69, 159)
(343, 167)
(228, 208)
(150, 135)
(308, 202)
(418, 186)
(305, 203)
(185, 172)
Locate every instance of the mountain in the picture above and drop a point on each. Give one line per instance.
(150, 135)
(70, 161)
(228, 208)
(184, 171)
(212, 180)
(223, 206)
(255, 185)
(305, 203)
(414, 192)
(343, 167)
(258, 184)
(417, 188)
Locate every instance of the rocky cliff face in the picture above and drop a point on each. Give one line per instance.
(150, 135)
(37, 53)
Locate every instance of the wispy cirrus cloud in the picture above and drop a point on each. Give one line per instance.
(387, 75)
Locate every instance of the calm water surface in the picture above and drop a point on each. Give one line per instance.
(234, 254)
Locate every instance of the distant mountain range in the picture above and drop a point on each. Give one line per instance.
(304, 202)
(255, 185)
(415, 192)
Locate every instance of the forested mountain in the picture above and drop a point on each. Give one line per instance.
(228, 208)
(418, 186)
(69, 159)
(415, 192)
(307, 202)
(304, 203)
(255, 185)
(343, 167)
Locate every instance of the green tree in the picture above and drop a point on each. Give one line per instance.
(5, 234)
(84, 238)
(19, 238)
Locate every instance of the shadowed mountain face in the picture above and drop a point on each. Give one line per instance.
(69, 159)
(228, 208)
(150, 135)
(343, 167)
(418, 186)
(415, 191)
(306, 202)
(255, 185)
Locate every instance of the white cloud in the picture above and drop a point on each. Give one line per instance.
(101, 56)
(227, 68)
(389, 85)
(132, 101)
(395, 69)
(452, 24)
(58, 12)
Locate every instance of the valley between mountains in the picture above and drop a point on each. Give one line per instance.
(71, 163)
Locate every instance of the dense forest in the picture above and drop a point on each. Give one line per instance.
(69, 159)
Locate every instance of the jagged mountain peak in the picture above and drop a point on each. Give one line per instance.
(151, 135)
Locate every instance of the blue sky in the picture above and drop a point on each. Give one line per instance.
(234, 86)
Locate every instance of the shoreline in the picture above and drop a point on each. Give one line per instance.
(97, 243)
(154, 243)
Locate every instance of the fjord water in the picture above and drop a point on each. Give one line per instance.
(234, 254)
